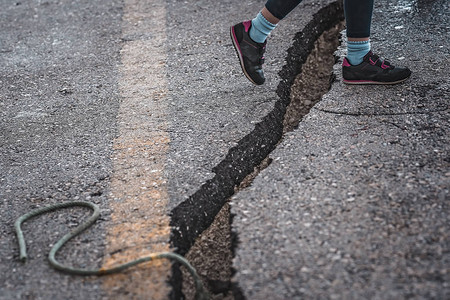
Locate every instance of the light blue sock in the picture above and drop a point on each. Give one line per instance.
(260, 28)
(356, 51)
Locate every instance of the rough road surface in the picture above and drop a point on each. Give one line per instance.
(355, 202)
(141, 108)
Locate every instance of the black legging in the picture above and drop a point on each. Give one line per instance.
(358, 14)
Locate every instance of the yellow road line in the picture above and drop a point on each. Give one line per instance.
(140, 222)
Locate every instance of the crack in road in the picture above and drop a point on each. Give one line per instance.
(213, 249)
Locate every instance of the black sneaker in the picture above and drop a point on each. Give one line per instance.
(251, 54)
(373, 70)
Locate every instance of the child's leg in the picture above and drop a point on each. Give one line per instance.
(358, 17)
(362, 66)
(249, 37)
(281, 8)
(268, 18)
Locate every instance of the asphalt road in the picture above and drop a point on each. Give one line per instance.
(355, 202)
(59, 100)
(141, 108)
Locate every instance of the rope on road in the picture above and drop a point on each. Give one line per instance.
(201, 294)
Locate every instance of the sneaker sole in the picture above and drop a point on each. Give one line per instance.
(238, 51)
(361, 82)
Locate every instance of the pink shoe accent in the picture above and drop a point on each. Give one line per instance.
(235, 42)
(372, 62)
(345, 63)
(383, 66)
(247, 25)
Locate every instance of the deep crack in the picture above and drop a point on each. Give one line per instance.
(243, 162)
(212, 252)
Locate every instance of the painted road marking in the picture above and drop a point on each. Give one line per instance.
(140, 222)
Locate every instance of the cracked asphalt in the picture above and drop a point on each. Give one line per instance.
(355, 202)
(141, 108)
(67, 120)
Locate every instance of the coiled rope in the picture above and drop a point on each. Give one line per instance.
(200, 294)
